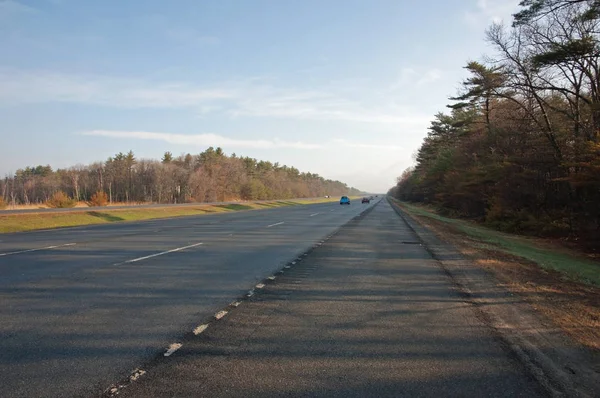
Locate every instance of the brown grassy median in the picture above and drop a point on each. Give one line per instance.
(560, 283)
(81, 216)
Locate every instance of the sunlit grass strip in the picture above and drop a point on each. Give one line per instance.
(81, 216)
(572, 265)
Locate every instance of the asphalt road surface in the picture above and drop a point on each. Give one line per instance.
(82, 307)
(367, 314)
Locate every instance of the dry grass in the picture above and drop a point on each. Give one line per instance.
(571, 305)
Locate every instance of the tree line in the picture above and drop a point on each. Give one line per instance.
(206, 177)
(519, 145)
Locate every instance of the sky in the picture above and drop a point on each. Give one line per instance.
(342, 88)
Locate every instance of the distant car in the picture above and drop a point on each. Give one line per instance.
(366, 200)
(344, 200)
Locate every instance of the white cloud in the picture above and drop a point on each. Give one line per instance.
(202, 140)
(248, 98)
(360, 145)
(36, 87)
(488, 11)
(410, 77)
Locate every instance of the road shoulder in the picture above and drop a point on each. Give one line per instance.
(563, 366)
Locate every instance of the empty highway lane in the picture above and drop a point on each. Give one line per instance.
(81, 307)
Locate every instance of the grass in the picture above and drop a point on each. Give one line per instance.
(80, 216)
(569, 263)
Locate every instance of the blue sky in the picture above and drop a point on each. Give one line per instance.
(342, 88)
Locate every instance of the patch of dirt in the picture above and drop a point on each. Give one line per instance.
(572, 306)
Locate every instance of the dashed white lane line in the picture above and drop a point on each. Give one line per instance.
(278, 223)
(172, 348)
(136, 374)
(314, 214)
(220, 314)
(200, 329)
(163, 253)
(37, 249)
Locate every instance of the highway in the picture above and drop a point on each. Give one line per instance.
(368, 314)
(82, 307)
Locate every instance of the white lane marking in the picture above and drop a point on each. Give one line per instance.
(312, 215)
(137, 374)
(272, 225)
(236, 304)
(250, 293)
(220, 314)
(260, 286)
(162, 253)
(172, 348)
(271, 278)
(38, 249)
(200, 329)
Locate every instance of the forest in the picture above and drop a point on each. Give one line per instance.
(206, 177)
(518, 147)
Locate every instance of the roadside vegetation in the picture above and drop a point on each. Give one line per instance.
(572, 264)
(60, 200)
(35, 221)
(210, 176)
(519, 148)
(562, 284)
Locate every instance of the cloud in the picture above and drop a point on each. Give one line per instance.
(240, 98)
(318, 105)
(410, 77)
(202, 140)
(360, 145)
(488, 11)
(42, 86)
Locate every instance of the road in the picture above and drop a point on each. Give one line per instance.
(84, 306)
(367, 314)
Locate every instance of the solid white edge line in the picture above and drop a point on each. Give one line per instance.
(312, 215)
(162, 253)
(272, 225)
(37, 249)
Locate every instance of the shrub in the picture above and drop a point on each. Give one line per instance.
(98, 199)
(60, 200)
(3, 203)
